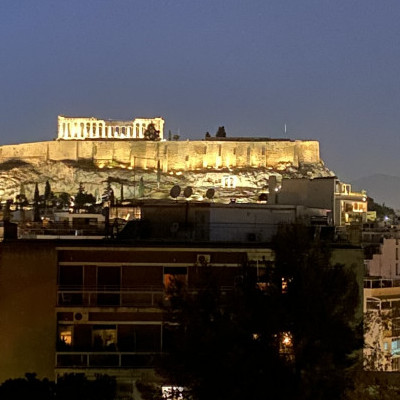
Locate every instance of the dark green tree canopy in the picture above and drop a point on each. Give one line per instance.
(151, 133)
(69, 386)
(289, 333)
(221, 132)
(82, 198)
(47, 191)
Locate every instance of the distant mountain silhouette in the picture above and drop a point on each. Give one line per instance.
(382, 188)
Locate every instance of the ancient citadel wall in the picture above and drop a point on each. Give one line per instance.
(172, 155)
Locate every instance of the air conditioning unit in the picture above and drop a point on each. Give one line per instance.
(81, 317)
(203, 259)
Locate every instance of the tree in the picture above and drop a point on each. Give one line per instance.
(29, 387)
(158, 174)
(20, 199)
(63, 200)
(47, 191)
(224, 347)
(151, 133)
(141, 187)
(68, 386)
(290, 333)
(36, 193)
(36, 199)
(221, 132)
(82, 198)
(108, 195)
(320, 307)
(381, 209)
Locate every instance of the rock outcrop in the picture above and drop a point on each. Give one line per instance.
(242, 184)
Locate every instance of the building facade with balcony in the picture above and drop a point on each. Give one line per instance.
(96, 306)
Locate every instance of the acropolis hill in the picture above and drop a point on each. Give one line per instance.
(93, 151)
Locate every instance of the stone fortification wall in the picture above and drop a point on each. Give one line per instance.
(172, 155)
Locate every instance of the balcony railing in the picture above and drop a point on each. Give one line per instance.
(150, 296)
(105, 360)
(143, 296)
(34, 230)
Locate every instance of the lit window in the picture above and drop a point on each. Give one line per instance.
(104, 337)
(65, 335)
(174, 276)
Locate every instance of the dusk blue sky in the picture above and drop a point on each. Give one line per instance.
(330, 70)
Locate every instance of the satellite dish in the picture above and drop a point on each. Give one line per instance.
(210, 193)
(188, 192)
(175, 191)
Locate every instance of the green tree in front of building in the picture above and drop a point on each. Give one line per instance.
(151, 133)
(290, 333)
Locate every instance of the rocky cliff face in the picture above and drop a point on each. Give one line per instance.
(244, 184)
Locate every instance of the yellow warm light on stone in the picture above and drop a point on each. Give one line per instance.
(81, 128)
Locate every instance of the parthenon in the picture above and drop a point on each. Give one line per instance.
(81, 128)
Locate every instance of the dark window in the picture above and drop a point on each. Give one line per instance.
(108, 280)
(140, 338)
(70, 275)
(70, 280)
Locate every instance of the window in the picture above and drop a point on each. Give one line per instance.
(173, 275)
(70, 281)
(396, 364)
(70, 275)
(64, 337)
(395, 347)
(139, 338)
(108, 280)
(104, 337)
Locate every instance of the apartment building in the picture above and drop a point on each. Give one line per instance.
(96, 306)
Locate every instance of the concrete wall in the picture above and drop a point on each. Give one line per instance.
(386, 262)
(317, 192)
(179, 155)
(28, 277)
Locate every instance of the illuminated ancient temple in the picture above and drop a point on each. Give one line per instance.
(81, 128)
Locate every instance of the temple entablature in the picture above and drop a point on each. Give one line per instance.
(81, 128)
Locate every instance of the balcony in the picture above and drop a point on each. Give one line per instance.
(112, 296)
(105, 360)
(71, 296)
(60, 230)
